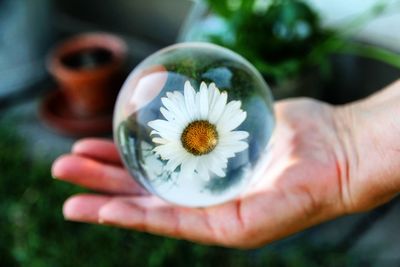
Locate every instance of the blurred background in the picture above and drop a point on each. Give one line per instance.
(336, 51)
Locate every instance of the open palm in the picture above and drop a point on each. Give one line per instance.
(301, 185)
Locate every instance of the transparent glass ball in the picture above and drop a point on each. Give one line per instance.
(192, 124)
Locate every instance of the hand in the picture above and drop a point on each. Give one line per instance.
(305, 182)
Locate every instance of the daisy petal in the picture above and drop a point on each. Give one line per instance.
(179, 101)
(159, 140)
(202, 171)
(189, 99)
(232, 117)
(169, 104)
(212, 94)
(218, 108)
(196, 108)
(176, 160)
(235, 147)
(188, 167)
(172, 104)
(237, 135)
(232, 122)
(167, 114)
(203, 101)
(165, 129)
(222, 155)
(215, 165)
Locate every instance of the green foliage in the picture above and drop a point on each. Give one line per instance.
(278, 40)
(187, 65)
(33, 232)
(286, 38)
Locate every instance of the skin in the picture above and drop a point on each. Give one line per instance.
(325, 162)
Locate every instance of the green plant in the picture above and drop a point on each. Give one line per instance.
(285, 38)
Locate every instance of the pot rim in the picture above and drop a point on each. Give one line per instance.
(74, 44)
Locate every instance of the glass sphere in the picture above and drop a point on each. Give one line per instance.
(192, 123)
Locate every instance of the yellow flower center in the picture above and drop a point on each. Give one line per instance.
(199, 137)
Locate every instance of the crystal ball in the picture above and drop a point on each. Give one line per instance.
(192, 124)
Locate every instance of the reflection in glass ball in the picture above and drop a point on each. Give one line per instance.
(192, 122)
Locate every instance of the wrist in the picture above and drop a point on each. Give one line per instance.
(369, 133)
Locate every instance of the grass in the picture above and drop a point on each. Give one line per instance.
(33, 232)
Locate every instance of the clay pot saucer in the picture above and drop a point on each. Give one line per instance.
(58, 115)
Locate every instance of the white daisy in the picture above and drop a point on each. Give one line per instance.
(197, 134)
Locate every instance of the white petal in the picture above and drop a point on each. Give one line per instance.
(169, 105)
(189, 94)
(188, 167)
(218, 108)
(203, 101)
(232, 117)
(235, 121)
(176, 160)
(233, 136)
(219, 155)
(235, 147)
(203, 171)
(172, 164)
(162, 125)
(173, 108)
(223, 153)
(167, 151)
(173, 104)
(231, 122)
(179, 100)
(165, 129)
(196, 108)
(213, 93)
(167, 114)
(215, 164)
(205, 175)
(160, 141)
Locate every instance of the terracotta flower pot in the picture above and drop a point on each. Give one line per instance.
(89, 68)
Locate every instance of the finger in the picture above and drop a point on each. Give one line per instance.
(153, 215)
(84, 208)
(99, 149)
(95, 175)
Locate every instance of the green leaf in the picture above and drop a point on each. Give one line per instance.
(220, 7)
(372, 52)
(247, 6)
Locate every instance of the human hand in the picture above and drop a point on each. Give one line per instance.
(307, 181)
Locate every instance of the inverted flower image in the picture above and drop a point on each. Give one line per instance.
(198, 134)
